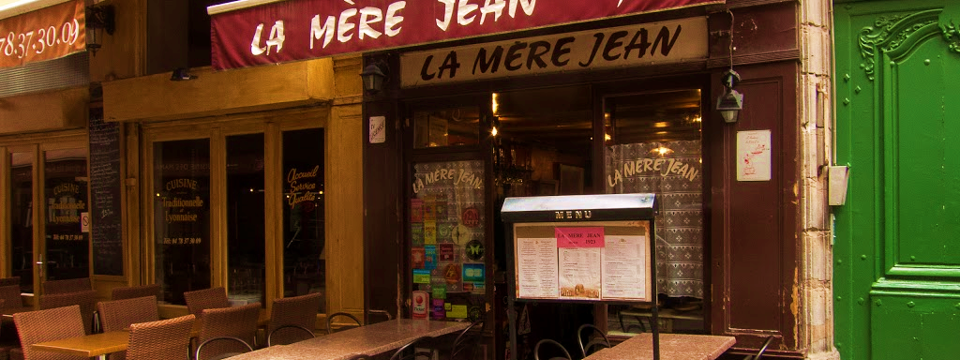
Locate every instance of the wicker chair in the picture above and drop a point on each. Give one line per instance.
(164, 339)
(66, 286)
(200, 300)
(13, 280)
(339, 314)
(11, 296)
(239, 322)
(87, 300)
(118, 315)
(292, 319)
(132, 292)
(37, 326)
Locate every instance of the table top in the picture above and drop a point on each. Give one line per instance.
(370, 340)
(672, 347)
(89, 345)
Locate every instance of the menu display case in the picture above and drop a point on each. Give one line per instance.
(581, 248)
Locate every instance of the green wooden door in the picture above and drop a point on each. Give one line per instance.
(897, 250)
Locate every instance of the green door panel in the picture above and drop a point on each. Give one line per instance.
(908, 327)
(925, 156)
(897, 249)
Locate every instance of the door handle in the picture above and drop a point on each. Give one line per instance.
(40, 266)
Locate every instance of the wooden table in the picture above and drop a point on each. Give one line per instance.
(96, 345)
(370, 340)
(101, 345)
(672, 347)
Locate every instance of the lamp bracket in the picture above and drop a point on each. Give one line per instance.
(101, 17)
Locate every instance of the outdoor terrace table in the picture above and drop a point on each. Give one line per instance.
(101, 345)
(369, 339)
(672, 347)
(96, 345)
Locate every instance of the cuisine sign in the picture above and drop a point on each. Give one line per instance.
(303, 29)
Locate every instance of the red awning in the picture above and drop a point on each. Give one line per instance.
(303, 29)
(48, 33)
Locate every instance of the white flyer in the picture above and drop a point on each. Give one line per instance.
(625, 268)
(753, 155)
(537, 272)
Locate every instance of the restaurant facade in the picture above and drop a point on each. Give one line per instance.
(256, 161)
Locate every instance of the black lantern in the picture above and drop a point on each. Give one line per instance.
(98, 20)
(373, 78)
(731, 102)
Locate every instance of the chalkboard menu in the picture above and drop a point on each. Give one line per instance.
(105, 190)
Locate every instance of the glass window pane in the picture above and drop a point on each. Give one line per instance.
(447, 127)
(67, 253)
(181, 217)
(448, 236)
(245, 217)
(656, 148)
(304, 266)
(21, 219)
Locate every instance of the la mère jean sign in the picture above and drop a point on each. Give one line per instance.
(303, 29)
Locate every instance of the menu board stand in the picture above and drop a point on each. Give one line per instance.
(583, 226)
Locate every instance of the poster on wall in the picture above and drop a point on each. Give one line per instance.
(753, 155)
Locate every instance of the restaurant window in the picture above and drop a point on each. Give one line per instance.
(457, 126)
(21, 219)
(655, 147)
(181, 217)
(245, 219)
(303, 241)
(65, 190)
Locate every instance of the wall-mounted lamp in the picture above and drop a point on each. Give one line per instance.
(731, 102)
(181, 74)
(98, 20)
(373, 78)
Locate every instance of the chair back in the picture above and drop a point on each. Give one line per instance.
(289, 314)
(13, 280)
(87, 300)
(239, 322)
(467, 340)
(242, 346)
(163, 339)
(340, 314)
(117, 315)
(199, 300)
(48, 325)
(762, 349)
(550, 343)
(66, 286)
(593, 343)
(11, 296)
(132, 292)
(408, 351)
(360, 357)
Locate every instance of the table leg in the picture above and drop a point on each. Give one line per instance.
(102, 357)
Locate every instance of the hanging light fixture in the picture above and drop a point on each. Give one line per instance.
(373, 78)
(731, 102)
